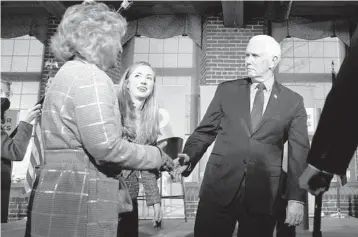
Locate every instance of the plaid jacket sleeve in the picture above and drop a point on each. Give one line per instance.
(149, 180)
(97, 117)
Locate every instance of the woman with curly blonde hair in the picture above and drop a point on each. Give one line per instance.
(76, 191)
(140, 121)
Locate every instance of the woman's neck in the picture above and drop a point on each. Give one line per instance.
(138, 104)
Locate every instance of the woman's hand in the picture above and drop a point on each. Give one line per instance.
(158, 215)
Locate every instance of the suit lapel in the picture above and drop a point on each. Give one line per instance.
(272, 107)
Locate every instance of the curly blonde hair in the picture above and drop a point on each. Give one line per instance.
(91, 31)
(149, 114)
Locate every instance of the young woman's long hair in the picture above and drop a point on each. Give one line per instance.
(149, 121)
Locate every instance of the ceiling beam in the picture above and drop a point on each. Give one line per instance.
(55, 7)
(278, 11)
(233, 12)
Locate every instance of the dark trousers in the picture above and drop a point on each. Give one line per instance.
(5, 189)
(128, 222)
(213, 221)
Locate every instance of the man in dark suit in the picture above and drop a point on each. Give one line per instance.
(336, 137)
(251, 119)
(13, 146)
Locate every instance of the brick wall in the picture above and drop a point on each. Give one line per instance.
(223, 53)
(348, 201)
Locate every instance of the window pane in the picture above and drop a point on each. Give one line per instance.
(6, 63)
(15, 101)
(141, 45)
(170, 60)
(286, 65)
(19, 64)
(30, 87)
(34, 64)
(171, 45)
(185, 45)
(7, 46)
(185, 60)
(28, 101)
(156, 46)
(21, 47)
(301, 65)
(141, 57)
(287, 47)
(300, 48)
(16, 87)
(331, 49)
(169, 81)
(156, 60)
(311, 56)
(316, 65)
(315, 49)
(36, 47)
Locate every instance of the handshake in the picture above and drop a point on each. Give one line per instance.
(173, 161)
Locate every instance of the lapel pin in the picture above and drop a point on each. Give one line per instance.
(275, 96)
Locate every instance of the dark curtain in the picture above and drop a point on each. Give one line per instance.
(311, 30)
(16, 25)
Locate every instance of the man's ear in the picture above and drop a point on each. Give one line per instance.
(274, 62)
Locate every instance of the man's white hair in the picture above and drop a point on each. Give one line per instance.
(272, 47)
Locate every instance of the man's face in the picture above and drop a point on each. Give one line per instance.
(258, 61)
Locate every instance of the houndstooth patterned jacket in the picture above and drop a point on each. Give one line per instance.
(76, 194)
(148, 179)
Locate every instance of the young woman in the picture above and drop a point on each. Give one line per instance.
(140, 121)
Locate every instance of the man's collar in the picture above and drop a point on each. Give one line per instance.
(268, 83)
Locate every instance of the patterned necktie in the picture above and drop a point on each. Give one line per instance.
(258, 106)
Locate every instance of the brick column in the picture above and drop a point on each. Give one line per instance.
(223, 50)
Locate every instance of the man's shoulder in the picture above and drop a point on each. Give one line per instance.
(237, 82)
(289, 92)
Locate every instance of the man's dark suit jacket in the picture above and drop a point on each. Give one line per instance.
(13, 148)
(336, 137)
(239, 150)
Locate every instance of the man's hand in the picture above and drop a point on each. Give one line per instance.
(294, 213)
(306, 177)
(180, 165)
(158, 215)
(33, 113)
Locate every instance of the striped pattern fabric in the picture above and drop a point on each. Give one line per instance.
(36, 150)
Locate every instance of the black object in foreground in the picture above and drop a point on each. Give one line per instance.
(173, 147)
(320, 180)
